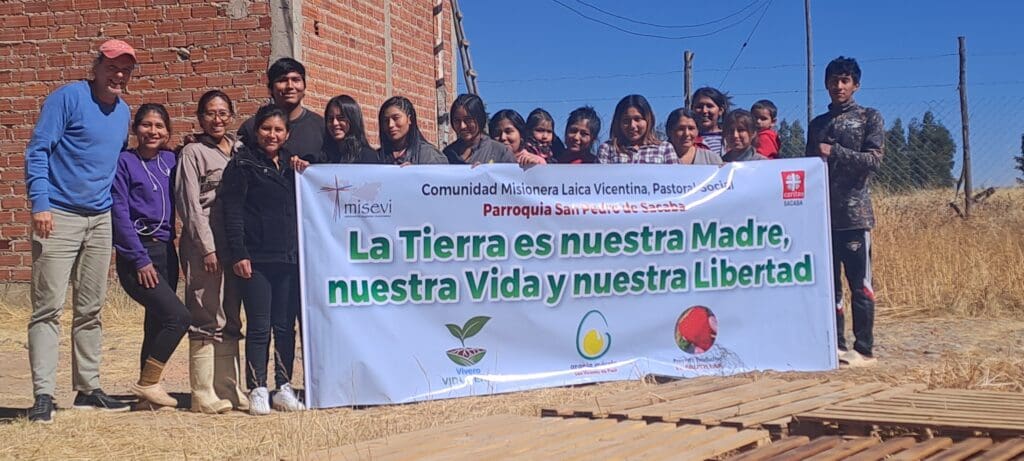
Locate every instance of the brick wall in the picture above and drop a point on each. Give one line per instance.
(343, 48)
(186, 47)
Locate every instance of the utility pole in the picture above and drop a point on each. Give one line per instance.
(810, 63)
(687, 78)
(467, 62)
(965, 123)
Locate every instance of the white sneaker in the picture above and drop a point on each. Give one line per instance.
(285, 399)
(854, 359)
(259, 402)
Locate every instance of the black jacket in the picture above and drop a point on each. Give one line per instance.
(259, 209)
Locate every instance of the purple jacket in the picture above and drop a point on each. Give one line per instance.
(143, 204)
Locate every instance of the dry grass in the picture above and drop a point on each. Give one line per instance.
(930, 262)
(971, 371)
(177, 435)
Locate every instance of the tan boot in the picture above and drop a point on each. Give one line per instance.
(148, 387)
(227, 376)
(200, 370)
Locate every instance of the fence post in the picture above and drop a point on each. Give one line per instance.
(687, 78)
(965, 122)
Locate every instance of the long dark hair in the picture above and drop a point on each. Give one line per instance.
(639, 103)
(412, 139)
(474, 107)
(514, 118)
(347, 150)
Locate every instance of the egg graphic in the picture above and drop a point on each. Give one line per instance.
(592, 337)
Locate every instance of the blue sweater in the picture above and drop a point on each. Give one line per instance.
(70, 161)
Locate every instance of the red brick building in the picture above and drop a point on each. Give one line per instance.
(369, 49)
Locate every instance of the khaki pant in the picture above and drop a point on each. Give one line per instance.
(78, 249)
(213, 299)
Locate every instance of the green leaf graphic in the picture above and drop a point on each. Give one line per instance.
(455, 330)
(459, 360)
(473, 326)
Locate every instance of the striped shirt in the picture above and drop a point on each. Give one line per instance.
(662, 152)
(714, 141)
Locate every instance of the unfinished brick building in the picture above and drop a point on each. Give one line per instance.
(369, 49)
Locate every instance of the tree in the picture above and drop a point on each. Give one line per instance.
(930, 149)
(895, 171)
(1020, 160)
(791, 139)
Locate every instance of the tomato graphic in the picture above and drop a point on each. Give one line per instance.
(696, 330)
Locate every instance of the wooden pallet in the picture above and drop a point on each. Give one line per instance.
(948, 412)
(529, 438)
(900, 448)
(734, 402)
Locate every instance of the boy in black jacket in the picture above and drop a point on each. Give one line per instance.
(851, 138)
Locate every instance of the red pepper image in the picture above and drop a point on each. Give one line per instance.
(696, 330)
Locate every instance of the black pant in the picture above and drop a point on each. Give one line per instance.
(167, 319)
(270, 297)
(851, 249)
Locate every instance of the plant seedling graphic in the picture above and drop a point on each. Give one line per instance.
(467, 356)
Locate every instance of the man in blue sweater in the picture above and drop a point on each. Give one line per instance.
(69, 167)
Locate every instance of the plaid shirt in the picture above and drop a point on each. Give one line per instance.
(662, 152)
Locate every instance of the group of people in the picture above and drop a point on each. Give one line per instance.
(234, 195)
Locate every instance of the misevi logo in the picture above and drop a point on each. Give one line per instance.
(467, 356)
(352, 201)
(793, 185)
(592, 337)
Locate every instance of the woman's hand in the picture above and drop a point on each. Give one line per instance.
(243, 269)
(298, 164)
(210, 263)
(526, 159)
(148, 277)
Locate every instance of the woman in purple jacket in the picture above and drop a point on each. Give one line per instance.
(147, 264)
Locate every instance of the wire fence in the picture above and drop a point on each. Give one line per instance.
(923, 142)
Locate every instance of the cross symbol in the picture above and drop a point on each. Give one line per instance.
(793, 181)
(337, 190)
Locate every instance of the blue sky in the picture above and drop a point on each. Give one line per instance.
(532, 53)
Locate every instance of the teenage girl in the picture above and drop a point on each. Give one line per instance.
(740, 134)
(632, 138)
(400, 140)
(508, 127)
(260, 222)
(146, 263)
(473, 146)
(581, 132)
(346, 136)
(710, 105)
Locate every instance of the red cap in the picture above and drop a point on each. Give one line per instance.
(114, 48)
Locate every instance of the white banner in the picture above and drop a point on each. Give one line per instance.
(431, 282)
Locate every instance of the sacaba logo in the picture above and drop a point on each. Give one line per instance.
(696, 330)
(353, 201)
(592, 337)
(467, 356)
(793, 185)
